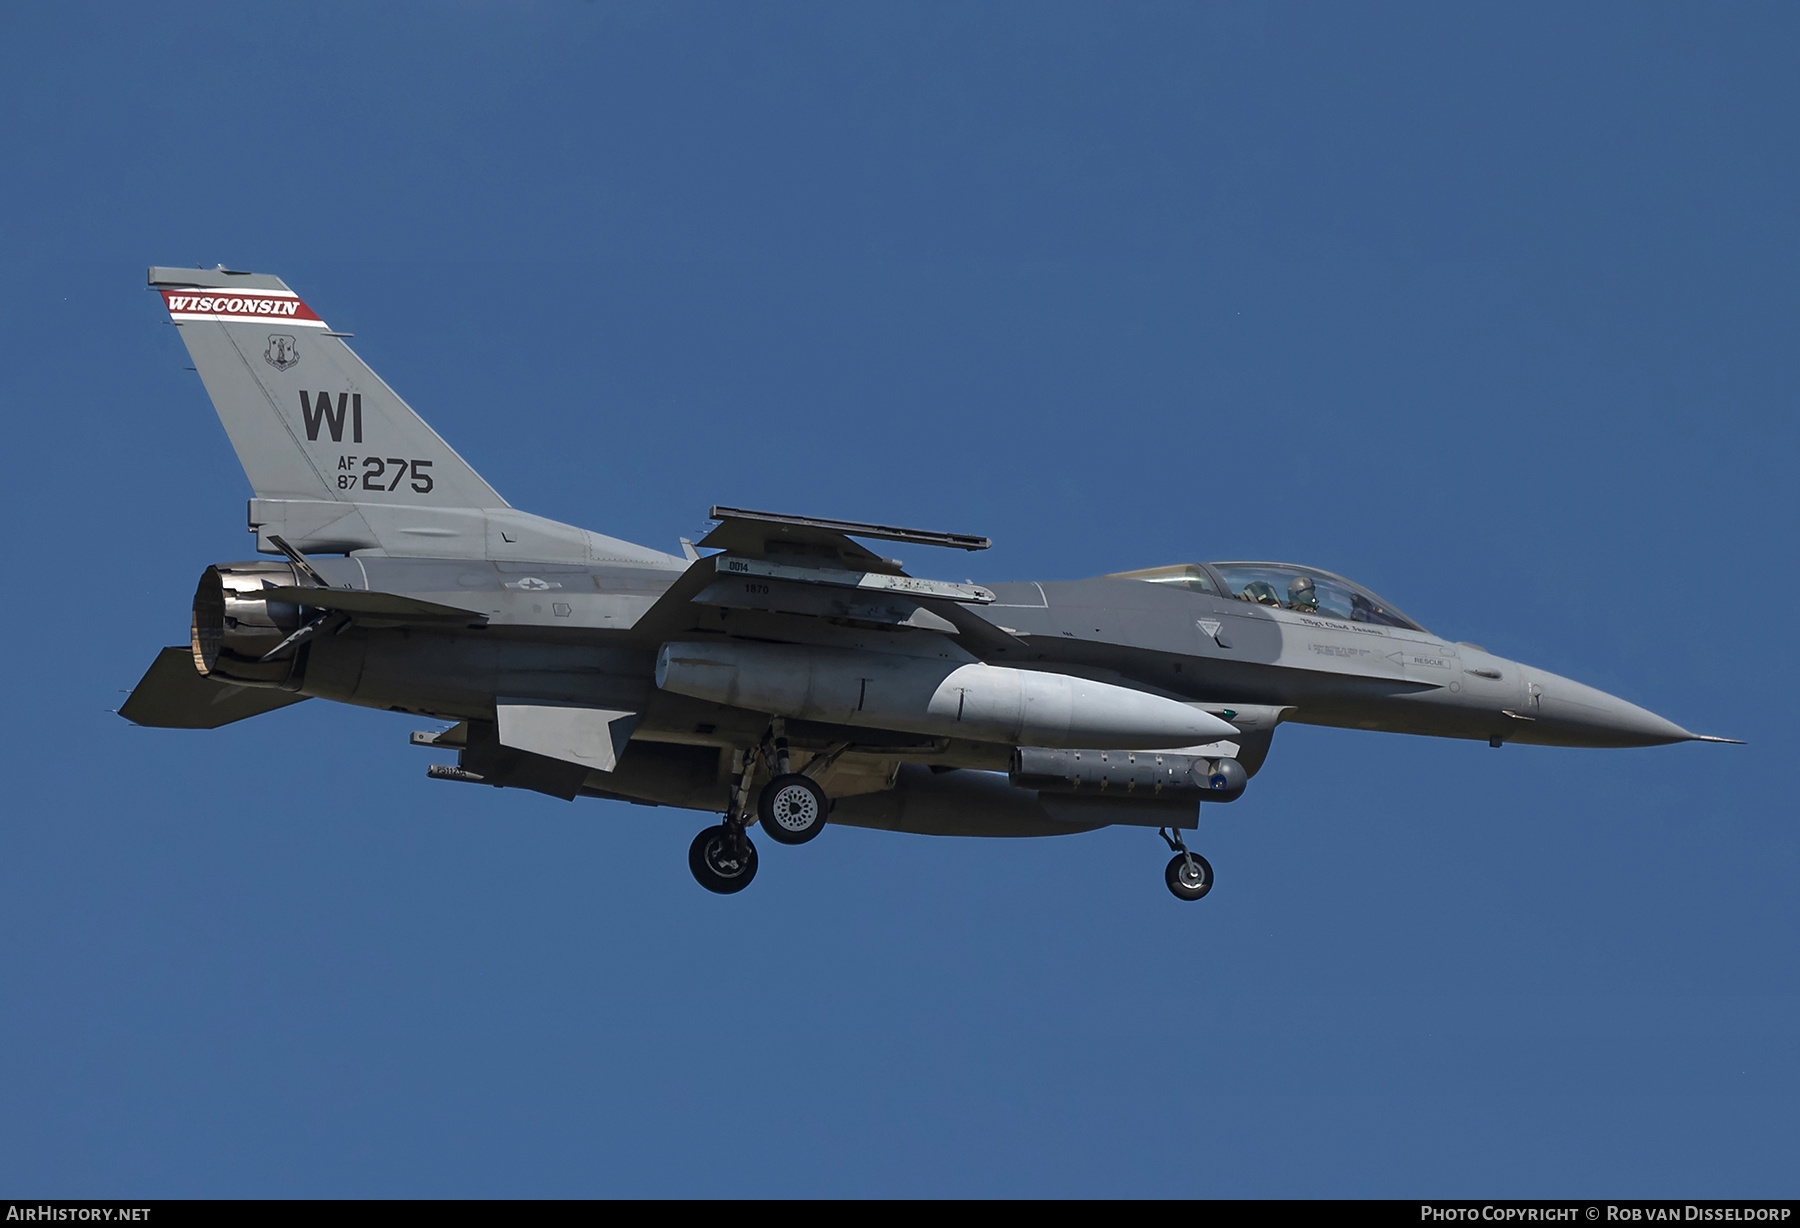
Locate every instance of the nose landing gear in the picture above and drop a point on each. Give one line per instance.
(1189, 875)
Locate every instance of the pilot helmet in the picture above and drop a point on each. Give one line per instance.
(1301, 592)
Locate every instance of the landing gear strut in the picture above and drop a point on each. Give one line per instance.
(792, 806)
(1189, 875)
(722, 858)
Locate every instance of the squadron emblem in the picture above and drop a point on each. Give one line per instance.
(282, 352)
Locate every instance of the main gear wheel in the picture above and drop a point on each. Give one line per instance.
(792, 808)
(723, 859)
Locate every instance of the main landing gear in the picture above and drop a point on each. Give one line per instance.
(723, 859)
(1189, 875)
(792, 808)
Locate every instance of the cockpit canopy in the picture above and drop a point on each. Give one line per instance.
(1282, 586)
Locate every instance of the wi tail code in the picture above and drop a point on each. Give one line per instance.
(319, 412)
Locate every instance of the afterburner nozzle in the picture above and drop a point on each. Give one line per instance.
(234, 628)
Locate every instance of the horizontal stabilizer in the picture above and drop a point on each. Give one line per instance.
(174, 695)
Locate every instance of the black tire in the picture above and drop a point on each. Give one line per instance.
(1180, 878)
(792, 808)
(713, 865)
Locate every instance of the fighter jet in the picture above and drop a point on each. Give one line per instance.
(789, 677)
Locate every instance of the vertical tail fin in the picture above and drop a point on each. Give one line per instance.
(337, 460)
(308, 418)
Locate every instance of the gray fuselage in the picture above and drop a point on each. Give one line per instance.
(579, 634)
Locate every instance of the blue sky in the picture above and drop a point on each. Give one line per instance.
(1491, 308)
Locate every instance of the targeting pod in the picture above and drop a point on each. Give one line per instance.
(1137, 773)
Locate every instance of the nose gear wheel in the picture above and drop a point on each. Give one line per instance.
(1189, 876)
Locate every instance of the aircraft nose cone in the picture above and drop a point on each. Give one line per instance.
(1571, 714)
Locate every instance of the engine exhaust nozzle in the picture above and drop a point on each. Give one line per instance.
(233, 627)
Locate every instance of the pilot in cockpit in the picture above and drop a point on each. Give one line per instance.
(1302, 596)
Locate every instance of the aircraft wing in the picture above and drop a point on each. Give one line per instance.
(769, 534)
(794, 571)
(984, 638)
(174, 695)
